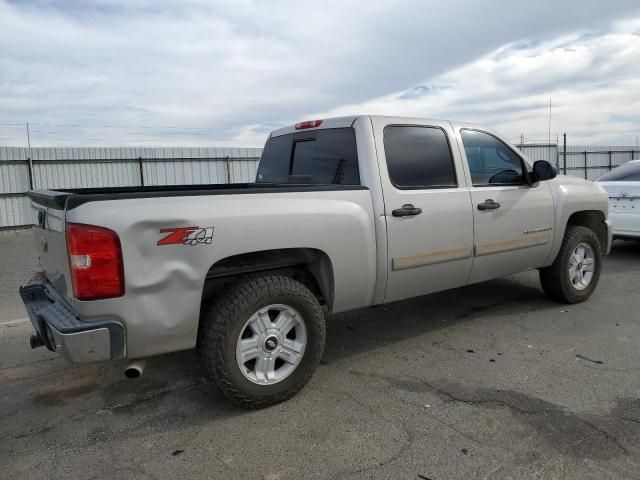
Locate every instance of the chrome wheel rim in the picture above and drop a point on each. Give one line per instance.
(582, 266)
(271, 344)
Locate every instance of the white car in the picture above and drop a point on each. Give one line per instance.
(623, 186)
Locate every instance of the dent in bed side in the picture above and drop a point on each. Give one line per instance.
(164, 285)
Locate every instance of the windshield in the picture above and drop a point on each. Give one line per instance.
(326, 156)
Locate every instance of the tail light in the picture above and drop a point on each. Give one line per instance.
(308, 124)
(95, 261)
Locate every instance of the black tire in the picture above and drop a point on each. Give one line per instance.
(555, 279)
(221, 327)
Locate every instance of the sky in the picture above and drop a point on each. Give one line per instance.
(209, 73)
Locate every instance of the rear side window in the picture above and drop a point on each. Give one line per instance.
(326, 156)
(629, 172)
(491, 161)
(418, 157)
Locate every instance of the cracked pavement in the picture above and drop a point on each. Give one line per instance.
(488, 381)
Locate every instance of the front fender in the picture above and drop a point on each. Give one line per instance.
(571, 196)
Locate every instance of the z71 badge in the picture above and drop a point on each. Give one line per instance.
(187, 236)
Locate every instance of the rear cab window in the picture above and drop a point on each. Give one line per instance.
(318, 157)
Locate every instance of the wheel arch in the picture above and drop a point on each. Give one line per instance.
(310, 266)
(593, 220)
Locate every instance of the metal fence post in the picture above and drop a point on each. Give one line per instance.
(228, 170)
(610, 164)
(564, 152)
(140, 165)
(586, 173)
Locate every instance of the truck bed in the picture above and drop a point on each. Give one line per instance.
(73, 197)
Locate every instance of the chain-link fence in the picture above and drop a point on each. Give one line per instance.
(584, 161)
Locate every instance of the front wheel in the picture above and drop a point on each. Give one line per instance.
(575, 272)
(262, 339)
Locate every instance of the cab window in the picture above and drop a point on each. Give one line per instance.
(491, 161)
(418, 157)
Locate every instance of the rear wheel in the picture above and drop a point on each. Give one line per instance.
(262, 339)
(575, 272)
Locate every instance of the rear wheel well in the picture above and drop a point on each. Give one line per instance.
(309, 266)
(593, 220)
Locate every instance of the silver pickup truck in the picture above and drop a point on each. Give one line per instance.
(345, 213)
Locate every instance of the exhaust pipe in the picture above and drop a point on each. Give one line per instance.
(36, 341)
(135, 368)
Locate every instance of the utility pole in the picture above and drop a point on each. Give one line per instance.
(549, 138)
(549, 120)
(28, 139)
(29, 159)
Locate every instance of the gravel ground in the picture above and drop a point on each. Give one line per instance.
(486, 381)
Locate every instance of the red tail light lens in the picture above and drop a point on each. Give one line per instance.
(308, 124)
(95, 261)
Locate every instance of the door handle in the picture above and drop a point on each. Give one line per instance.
(406, 210)
(488, 204)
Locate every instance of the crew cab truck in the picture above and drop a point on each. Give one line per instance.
(345, 213)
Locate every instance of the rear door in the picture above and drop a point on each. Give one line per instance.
(427, 207)
(513, 221)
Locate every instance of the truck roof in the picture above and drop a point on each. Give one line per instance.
(347, 121)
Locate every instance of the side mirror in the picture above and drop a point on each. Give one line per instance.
(543, 170)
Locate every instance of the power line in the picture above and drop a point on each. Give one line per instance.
(159, 127)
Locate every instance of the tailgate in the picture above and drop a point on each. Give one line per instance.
(48, 218)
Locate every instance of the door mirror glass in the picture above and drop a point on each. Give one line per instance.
(543, 170)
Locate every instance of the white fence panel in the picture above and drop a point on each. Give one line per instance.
(14, 177)
(14, 211)
(85, 167)
(185, 172)
(58, 174)
(95, 167)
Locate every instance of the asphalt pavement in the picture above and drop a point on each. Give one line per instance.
(488, 381)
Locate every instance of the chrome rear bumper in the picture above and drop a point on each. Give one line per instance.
(62, 330)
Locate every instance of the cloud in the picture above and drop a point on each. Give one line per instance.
(592, 80)
(200, 72)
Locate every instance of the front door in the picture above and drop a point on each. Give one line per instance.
(513, 221)
(427, 207)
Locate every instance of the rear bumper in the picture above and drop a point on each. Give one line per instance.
(62, 330)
